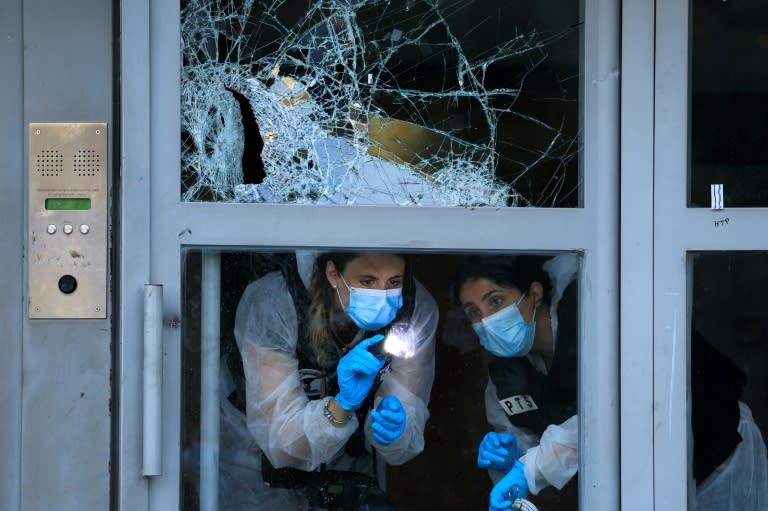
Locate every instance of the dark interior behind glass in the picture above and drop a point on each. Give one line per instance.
(445, 475)
(729, 354)
(729, 100)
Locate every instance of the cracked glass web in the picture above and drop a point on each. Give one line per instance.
(409, 102)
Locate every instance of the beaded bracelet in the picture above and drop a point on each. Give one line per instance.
(333, 420)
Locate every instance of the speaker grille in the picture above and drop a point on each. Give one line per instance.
(87, 162)
(49, 163)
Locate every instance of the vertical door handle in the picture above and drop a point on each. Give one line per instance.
(153, 380)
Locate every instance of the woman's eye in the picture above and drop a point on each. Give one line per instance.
(497, 300)
(396, 282)
(367, 282)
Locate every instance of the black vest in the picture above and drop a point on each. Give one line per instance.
(534, 400)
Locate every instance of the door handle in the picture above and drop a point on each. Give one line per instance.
(153, 380)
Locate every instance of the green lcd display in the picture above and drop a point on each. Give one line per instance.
(67, 204)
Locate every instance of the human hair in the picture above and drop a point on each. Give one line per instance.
(518, 272)
(324, 306)
(326, 318)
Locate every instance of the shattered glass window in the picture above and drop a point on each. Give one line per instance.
(390, 102)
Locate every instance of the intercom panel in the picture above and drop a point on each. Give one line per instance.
(67, 246)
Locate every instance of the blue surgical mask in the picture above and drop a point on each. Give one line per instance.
(371, 309)
(505, 333)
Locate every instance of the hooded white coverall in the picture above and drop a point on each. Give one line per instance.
(289, 428)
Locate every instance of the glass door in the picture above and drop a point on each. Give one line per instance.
(259, 133)
(709, 208)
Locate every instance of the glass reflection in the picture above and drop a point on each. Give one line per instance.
(396, 102)
(729, 98)
(298, 430)
(729, 353)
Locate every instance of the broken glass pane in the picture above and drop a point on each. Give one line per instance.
(399, 102)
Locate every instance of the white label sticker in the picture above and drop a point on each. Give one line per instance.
(514, 405)
(717, 196)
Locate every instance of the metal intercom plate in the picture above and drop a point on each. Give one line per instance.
(67, 220)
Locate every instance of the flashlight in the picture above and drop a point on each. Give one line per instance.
(524, 505)
(519, 504)
(400, 341)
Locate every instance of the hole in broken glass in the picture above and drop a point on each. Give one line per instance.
(442, 103)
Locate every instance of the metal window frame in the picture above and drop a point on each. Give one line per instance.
(154, 232)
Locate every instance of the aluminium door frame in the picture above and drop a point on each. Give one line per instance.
(154, 232)
(636, 260)
(678, 231)
(133, 266)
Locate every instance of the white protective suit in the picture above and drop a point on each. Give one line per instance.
(291, 429)
(553, 459)
(550, 460)
(740, 483)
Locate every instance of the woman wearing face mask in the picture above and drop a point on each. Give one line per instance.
(524, 315)
(322, 396)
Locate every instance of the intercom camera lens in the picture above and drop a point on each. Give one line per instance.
(67, 284)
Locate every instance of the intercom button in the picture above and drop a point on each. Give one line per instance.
(67, 284)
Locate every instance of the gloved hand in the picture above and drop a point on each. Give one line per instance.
(512, 486)
(388, 420)
(498, 451)
(356, 373)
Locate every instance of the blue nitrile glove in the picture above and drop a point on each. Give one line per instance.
(512, 486)
(388, 420)
(356, 372)
(498, 451)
